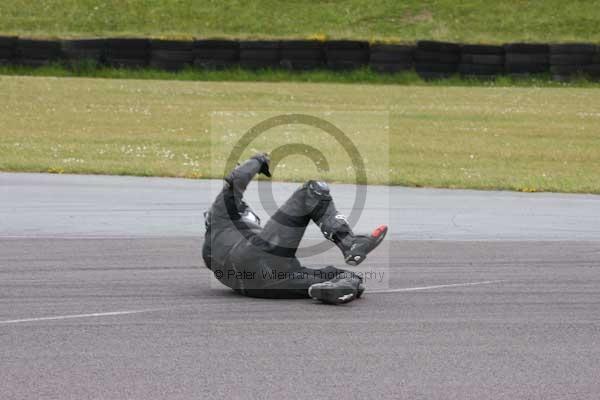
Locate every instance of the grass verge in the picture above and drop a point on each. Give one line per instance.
(528, 139)
(408, 20)
(362, 75)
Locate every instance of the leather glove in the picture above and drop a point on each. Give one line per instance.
(264, 160)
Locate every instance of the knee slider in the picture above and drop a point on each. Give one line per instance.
(317, 198)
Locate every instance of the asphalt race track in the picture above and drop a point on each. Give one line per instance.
(103, 295)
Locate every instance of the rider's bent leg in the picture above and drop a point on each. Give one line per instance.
(313, 201)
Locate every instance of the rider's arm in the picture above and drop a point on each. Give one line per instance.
(240, 177)
(237, 182)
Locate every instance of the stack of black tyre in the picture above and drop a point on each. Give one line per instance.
(346, 54)
(37, 53)
(7, 49)
(80, 51)
(171, 55)
(481, 61)
(127, 53)
(525, 59)
(436, 59)
(256, 54)
(593, 70)
(216, 53)
(569, 60)
(301, 54)
(390, 58)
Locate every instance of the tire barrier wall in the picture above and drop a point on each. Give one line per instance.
(346, 54)
(436, 59)
(171, 55)
(524, 59)
(390, 58)
(430, 59)
(216, 54)
(92, 50)
(302, 54)
(7, 49)
(481, 61)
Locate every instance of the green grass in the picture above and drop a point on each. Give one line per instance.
(529, 138)
(406, 21)
(363, 75)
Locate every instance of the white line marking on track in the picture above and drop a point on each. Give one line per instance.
(128, 312)
(58, 317)
(415, 289)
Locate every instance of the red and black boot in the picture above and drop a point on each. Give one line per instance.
(354, 247)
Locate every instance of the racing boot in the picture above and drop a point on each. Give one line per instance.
(354, 247)
(335, 227)
(338, 290)
(361, 290)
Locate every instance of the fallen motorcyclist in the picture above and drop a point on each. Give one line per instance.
(261, 261)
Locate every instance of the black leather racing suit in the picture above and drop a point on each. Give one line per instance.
(261, 262)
